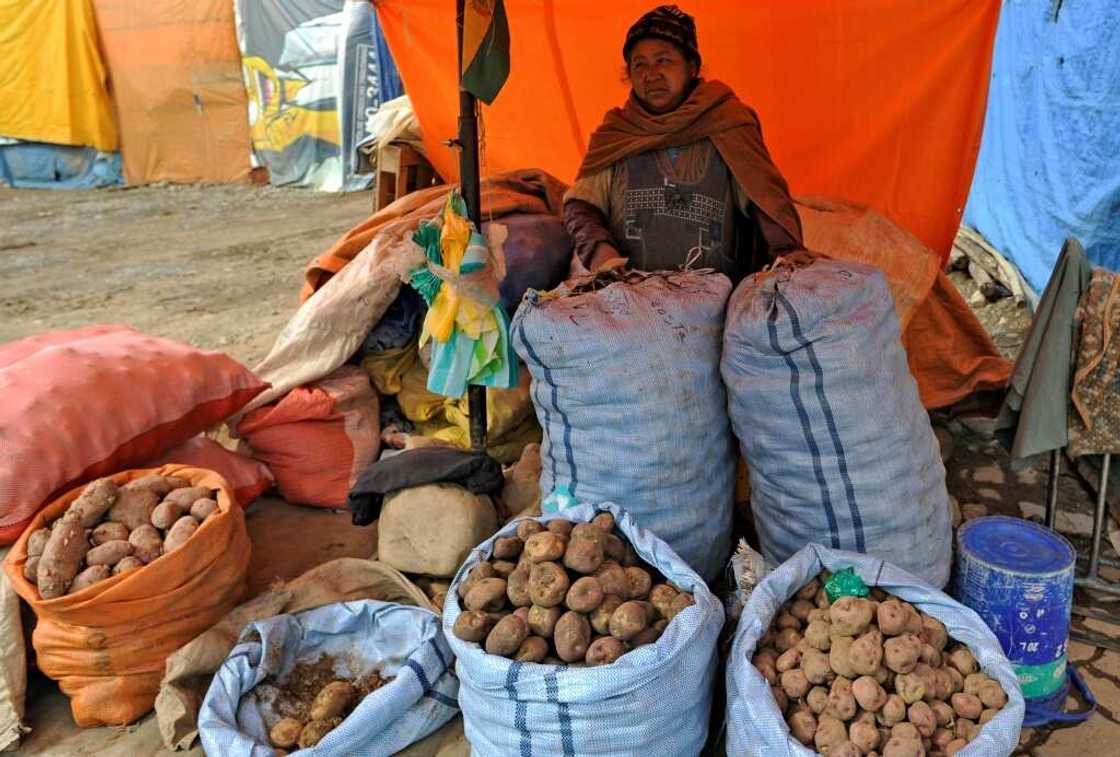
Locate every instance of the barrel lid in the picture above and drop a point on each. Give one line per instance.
(1016, 545)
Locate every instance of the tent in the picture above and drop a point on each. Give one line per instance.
(880, 102)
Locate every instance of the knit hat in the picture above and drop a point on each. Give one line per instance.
(667, 22)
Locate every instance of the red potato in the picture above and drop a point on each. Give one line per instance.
(133, 507)
(146, 543)
(89, 577)
(203, 508)
(533, 649)
(166, 513)
(967, 706)
(62, 556)
(572, 636)
(106, 532)
(788, 660)
(37, 542)
(127, 565)
(628, 621)
(110, 553)
(604, 521)
(604, 651)
(94, 501)
(527, 528)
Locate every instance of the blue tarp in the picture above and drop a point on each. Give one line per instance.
(36, 165)
(1049, 164)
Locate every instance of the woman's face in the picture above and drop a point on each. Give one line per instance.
(660, 75)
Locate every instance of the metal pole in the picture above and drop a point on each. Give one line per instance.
(1052, 499)
(469, 186)
(1098, 523)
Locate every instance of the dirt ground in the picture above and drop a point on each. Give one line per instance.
(220, 267)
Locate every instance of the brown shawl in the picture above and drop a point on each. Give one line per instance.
(712, 111)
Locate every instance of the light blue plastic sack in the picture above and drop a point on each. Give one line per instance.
(829, 419)
(627, 389)
(403, 642)
(754, 724)
(655, 700)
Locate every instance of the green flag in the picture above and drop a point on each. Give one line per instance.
(485, 48)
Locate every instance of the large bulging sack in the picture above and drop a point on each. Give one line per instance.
(627, 390)
(755, 726)
(828, 417)
(655, 699)
(107, 643)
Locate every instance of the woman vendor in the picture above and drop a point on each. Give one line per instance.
(679, 175)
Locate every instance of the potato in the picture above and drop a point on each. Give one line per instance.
(845, 749)
(839, 656)
(127, 565)
(604, 651)
(941, 738)
(788, 660)
(765, 663)
(821, 599)
(517, 585)
(89, 577)
(615, 549)
(942, 685)
(780, 699)
(584, 555)
(604, 521)
(851, 616)
(285, 733)
(572, 636)
(584, 595)
(166, 513)
(62, 556)
(662, 596)
(504, 568)
(967, 706)
(893, 711)
(786, 620)
(817, 699)
(884, 677)
(802, 726)
(817, 635)
(956, 678)
(542, 620)
(987, 715)
(314, 732)
(548, 584)
(815, 663)
(533, 649)
(178, 534)
(809, 591)
(893, 617)
(477, 573)
(523, 613)
(973, 682)
(508, 548)
(159, 485)
(203, 508)
(943, 713)
(639, 581)
(472, 625)
(612, 577)
(187, 496)
(901, 654)
(966, 729)
(601, 615)
(31, 568)
(910, 687)
(527, 528)
(133, 507)
(906, 730)
(962, 661)
(506, 636)
(94, 501)
(841, 703)
(830, 732)
(794, 683)
(37, 541)
(991, 694)
(955, 746)
(544, 547)
(921, 716)
(108, 531)
(933, 633)
(801, 610)
(560, 527)
(787, 639)
(649, 634)
(487, 594)
(897, 747)
(110, 553)
(931, 655)
(865, 736)
(332, 700)
(869, 694)
(146, 543)
(628, 621)
(866, 653)
(821, 615)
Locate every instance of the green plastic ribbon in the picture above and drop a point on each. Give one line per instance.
(845, 583)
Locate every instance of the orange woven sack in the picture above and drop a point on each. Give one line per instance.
(106, 644)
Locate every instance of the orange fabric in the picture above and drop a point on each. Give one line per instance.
(106, 644)
(880, 101)
(711, 111)
(318, 438)
(525, 191)
(950, 354)
(247, 478)
(121, 397)
(175, 76)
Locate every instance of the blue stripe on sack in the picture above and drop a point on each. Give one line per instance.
(521, 715)
(552, 688)
(439, 653)
(443, 699)
(420, 674)
(806, 429)
(567, 436)
(830, 420)
(547, 416)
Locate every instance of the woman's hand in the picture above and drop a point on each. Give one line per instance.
(606, 257)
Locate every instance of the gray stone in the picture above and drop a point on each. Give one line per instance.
(431, 529)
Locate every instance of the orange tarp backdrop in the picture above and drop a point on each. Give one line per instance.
(175, 77)
(879, 101)
(52, 78)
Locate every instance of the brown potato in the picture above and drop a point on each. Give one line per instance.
(584, 595)
(987, 715)
(780, 699)
(801, 610)
(934, 633)
(604, 651)
(94, 501)
(187, 496)
(944, 714)
(955, 746)
(931, 655)
(604, 521)
(572, 636)
(893, 711)
(865, 736)
(866, 653)
(815, 664)
(89, 577)
(662, 596)
(615, 549)
(601, 616)
(850, 616)
(628, 621)
(765, 662)
(506, 636)
(548, 584)
(639, 581)
(893, 617)
(966, 729)
(177, 536)
(104, 532)
(477, 573)
(133, 507)
(803, 726)
(809, 591)
(841, 703)
(127, 565)
(523, 613)
(830, 733)
(314, 732)
(788, 660)
(973, 682)
(649, 634)
(504, 568)
(533, 649)
(922, 717)
(472, 625)
(508, 548)
(527, 528)
(285, 733)
(544, 547)
(487, 594)
(839, 656)
(901, 654)
(110, 553)
(517, 585)
(31, 568)
(786, 620)
(62, 556)
(795, 684)
(821, 600)
(332, 700)
(905, 730)
(160, 485)
(822, 615)
(817, 635)
(956, 678)
(897, 747)
(910, 687)
(991, 694)
(941, 738)
(869, 694)
(942, 685)
(787, 639)
(37, 541)
(817, 699)
(203, 508)
(612, 577)
(542, 620)
(560, 527)
(967, 706)
(584, 555)
(963, 661)
(845, 749)
(146, 543)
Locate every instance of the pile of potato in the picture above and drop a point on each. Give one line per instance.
(332, 704)
(565, 593)
(873, 676)
(109, 530)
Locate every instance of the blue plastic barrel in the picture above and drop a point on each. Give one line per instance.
(1018, 577)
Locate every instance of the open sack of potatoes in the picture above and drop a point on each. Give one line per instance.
(122, 572)
(598, 640)
(904, 672)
